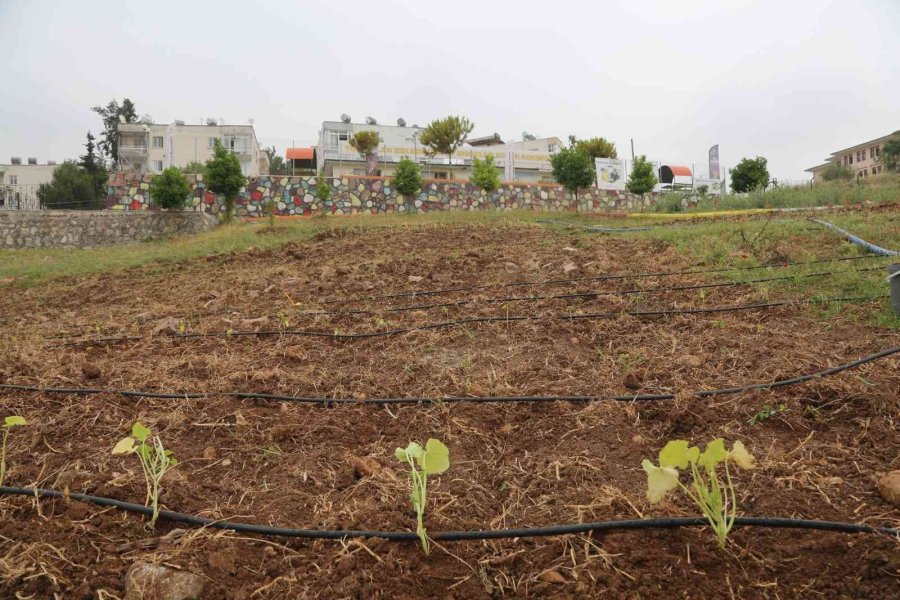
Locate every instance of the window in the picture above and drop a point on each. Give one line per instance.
(343, 136)
(872, 152)
(157, 141)
(849, 159)
(440, 175)
(211, 142)
(157, 165)
(13, 180)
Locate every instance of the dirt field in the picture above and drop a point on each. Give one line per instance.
(513, 465)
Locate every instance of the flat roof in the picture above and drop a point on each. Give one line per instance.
(875, 141)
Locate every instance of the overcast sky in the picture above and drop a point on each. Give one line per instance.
(790, 80)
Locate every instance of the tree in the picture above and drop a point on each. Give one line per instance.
(837, 172)
(112, 114)
(194, 167)
(170, 189)
(407, 179)
(485, 175)
(366, 143)
(890, 153)
(749, 174)
(444, 136)
(277, 166)
(94, 167)
(573, 169)
(323, 188)
(223, 175)
(597, 147)
(642, 178)
(72, 188)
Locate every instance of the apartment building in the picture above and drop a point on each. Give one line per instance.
(151, 148)
(19, 182)
(519, 161)
(863, 159)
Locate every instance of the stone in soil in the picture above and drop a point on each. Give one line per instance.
(154, 582)
(889, 487)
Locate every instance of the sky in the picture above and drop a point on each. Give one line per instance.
(790, 80)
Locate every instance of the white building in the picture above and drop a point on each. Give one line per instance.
(19, 182)
(152, 148)
(517, 161)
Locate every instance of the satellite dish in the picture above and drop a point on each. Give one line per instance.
(401, 122)
(345, 118)
(371, 121)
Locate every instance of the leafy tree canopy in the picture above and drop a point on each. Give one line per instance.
(407, 179)
(72, 188)
(94, 166)
(573, 169)
(485, 175)
(365, 142)
(750, 174)
(890, 153)
(195, 167)
(445, 136)
(837, 172)
(642, 179)
(277, 166)
(224, 176)
(110, 114)
(597, 147)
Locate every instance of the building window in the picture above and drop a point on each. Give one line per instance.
(343, 136)
(877, 151)
(211, 142)
(157, 165)
(157, 141)
(849, 159)
(13, 180)
(440, 175)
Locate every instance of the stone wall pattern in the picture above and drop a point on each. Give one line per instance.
(88, 228)
(352, 195)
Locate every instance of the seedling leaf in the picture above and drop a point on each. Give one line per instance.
(660, 480)
(140, 432)
(13, 420)
(436, 458)
(400, 453)
(674, 454)
(125, 446)
(414, 450)
(713, 455)
(741, 457)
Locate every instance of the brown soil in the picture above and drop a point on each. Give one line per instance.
(512, 465)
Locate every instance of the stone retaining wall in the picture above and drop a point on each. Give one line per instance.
(83, 228)
(355, 194)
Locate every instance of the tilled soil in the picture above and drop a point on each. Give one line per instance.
(513, 465)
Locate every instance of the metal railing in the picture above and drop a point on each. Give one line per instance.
(19, 197)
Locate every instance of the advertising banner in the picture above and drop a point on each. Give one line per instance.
(713, 186)
(714, 163)
(611, 174)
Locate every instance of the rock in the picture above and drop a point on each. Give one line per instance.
(153, 582)
(569, 267)
(415, 278)
(210, 453)
(889, 487)
(689, 361)
(168, 324)
(364, 466)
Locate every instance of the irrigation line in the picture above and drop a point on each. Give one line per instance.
(450, 536)
(471, 320)
(461, 399)
(608, 277)
(595, 227)
(857, 240)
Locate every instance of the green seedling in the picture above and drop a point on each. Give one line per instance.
(715, 498)
(432, 460)
(8, 423)
(767, 413)
(155, 462)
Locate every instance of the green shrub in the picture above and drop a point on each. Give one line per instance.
(170, 189)
(642, 179)
(485, 175)
(573, 169)
(407, 179)
(72, 188)
(224, 176)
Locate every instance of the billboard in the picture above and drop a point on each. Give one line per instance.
(714, 163)
(713, 186)
(611, 174)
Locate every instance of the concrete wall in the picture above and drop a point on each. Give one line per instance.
(81, 229)
(354, 195)
(26, 174)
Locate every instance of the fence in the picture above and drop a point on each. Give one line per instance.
(19, 197)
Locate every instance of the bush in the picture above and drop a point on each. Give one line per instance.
(837, 172)
(642, 179)
(750, 174)
(485, 175)
(72, 188)
(408, 179)
(573, 169)
(323, 188)
(170, 189)
(193, 168)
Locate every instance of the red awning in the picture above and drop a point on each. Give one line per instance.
(300, 153)
(680, 171)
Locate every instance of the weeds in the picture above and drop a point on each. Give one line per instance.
(432, 460)
(155, 462)
(767, 413)
(8, 423)
(714, 497)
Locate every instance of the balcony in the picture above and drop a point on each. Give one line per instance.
(132, 150)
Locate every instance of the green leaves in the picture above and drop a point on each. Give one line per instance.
(713, 455)
(436, 458)
(13, 421)
(573, 169)
(741, 457)
(660, 480)
(431, 460)
(140, 432)
(125, 446)
(444, 136)
(675, 454)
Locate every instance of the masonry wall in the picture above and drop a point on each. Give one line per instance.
(356, 194)
(81, 228)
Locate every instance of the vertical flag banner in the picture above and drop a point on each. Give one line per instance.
(714, 162)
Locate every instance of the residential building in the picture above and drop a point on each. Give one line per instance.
(518, 161)
(151, 148)
(19, 182)
(864, 159)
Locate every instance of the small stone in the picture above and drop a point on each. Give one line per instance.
(154, 582)
(210, 453)
(552, 577)
(889, 487)
(689, 361)
(569, 267)
(415, 278)
(226, 462)
(169, 324)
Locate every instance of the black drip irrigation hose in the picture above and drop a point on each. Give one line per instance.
(472, 320)
(8, 387)
(450, 536)
(609, 277)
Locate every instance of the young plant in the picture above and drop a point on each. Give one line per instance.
(155, 462)
(432, 460)
(715, 498)
(8, 423)
(767, 413)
